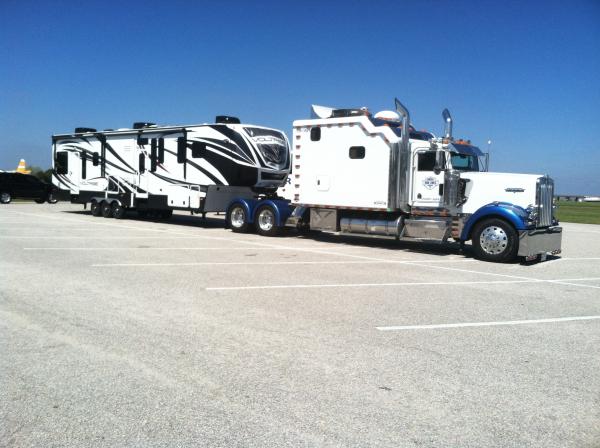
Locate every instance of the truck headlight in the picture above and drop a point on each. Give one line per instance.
(532, 214)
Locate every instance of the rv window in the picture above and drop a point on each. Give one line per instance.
(62, 162)
(426, 161)
(161, 150)
(198, 149)
(95, 159)
(142, 141)
(181, 149)
(83, 165)
(357, 152)
(153, 156)
(315, 134)
(142, 163)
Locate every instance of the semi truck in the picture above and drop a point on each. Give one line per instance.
(355, 172)
(347, 171)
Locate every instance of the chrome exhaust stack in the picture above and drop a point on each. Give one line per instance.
(400, 164)
(447, 124)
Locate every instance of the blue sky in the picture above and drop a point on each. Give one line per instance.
(524, 74)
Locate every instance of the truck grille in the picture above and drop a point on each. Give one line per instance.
(544, 200)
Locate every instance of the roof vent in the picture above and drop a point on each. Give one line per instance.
(143, 124)
(338, 113)
(227, 119)
(84, 130)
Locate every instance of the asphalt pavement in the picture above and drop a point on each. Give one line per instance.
(131, 333)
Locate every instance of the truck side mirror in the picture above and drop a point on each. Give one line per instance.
(440, 162)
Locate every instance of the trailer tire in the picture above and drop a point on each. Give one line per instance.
(495, 240)
(95, 208)
(237, 218)
(265, 221)
(106, 209)
(118, 211)
(5, 197)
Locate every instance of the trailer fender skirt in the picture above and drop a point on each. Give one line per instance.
(514, 214)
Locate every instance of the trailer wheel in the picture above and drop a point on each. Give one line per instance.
(95, 208)
(495, 240)
(5, 197)
(266, 221)
(118, 211)
(237, 219)
(106, 209)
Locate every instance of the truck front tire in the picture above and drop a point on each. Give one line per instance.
(495, 240)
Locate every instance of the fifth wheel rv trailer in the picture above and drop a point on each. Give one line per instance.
(158, 169)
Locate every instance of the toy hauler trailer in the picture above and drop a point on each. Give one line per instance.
(357, 173)
(157, 169)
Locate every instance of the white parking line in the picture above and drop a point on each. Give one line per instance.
(220, 248)
(487, 324)
(360, 285)
(266, 263)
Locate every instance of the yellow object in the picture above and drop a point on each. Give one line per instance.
(22, 168)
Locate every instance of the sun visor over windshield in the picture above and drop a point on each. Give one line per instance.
(468, 150)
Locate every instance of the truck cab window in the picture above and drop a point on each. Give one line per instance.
(464, 162)
(426, 161)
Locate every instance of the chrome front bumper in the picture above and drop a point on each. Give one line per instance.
(540, 242)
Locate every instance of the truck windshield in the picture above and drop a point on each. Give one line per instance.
(464, 162)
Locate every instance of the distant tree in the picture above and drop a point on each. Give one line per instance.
(45, 175)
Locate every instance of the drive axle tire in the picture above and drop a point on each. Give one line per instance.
(118, 211)
(95, 208)
(5, 197)
(106, 209)
(265, 221)
(238, 221)
(495, 240)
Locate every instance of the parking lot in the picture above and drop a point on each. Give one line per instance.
(182, 333)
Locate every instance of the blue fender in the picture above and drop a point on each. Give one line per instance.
(514, 214)
(281, 207)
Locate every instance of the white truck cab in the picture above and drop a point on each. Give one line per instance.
(375, 174)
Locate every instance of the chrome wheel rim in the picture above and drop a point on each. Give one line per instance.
(238, 217)
(266, 220)
(5, 197)
(493, 240)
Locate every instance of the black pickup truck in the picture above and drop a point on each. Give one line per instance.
(25, 186)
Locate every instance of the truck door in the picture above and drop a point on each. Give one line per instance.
(427, 185)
